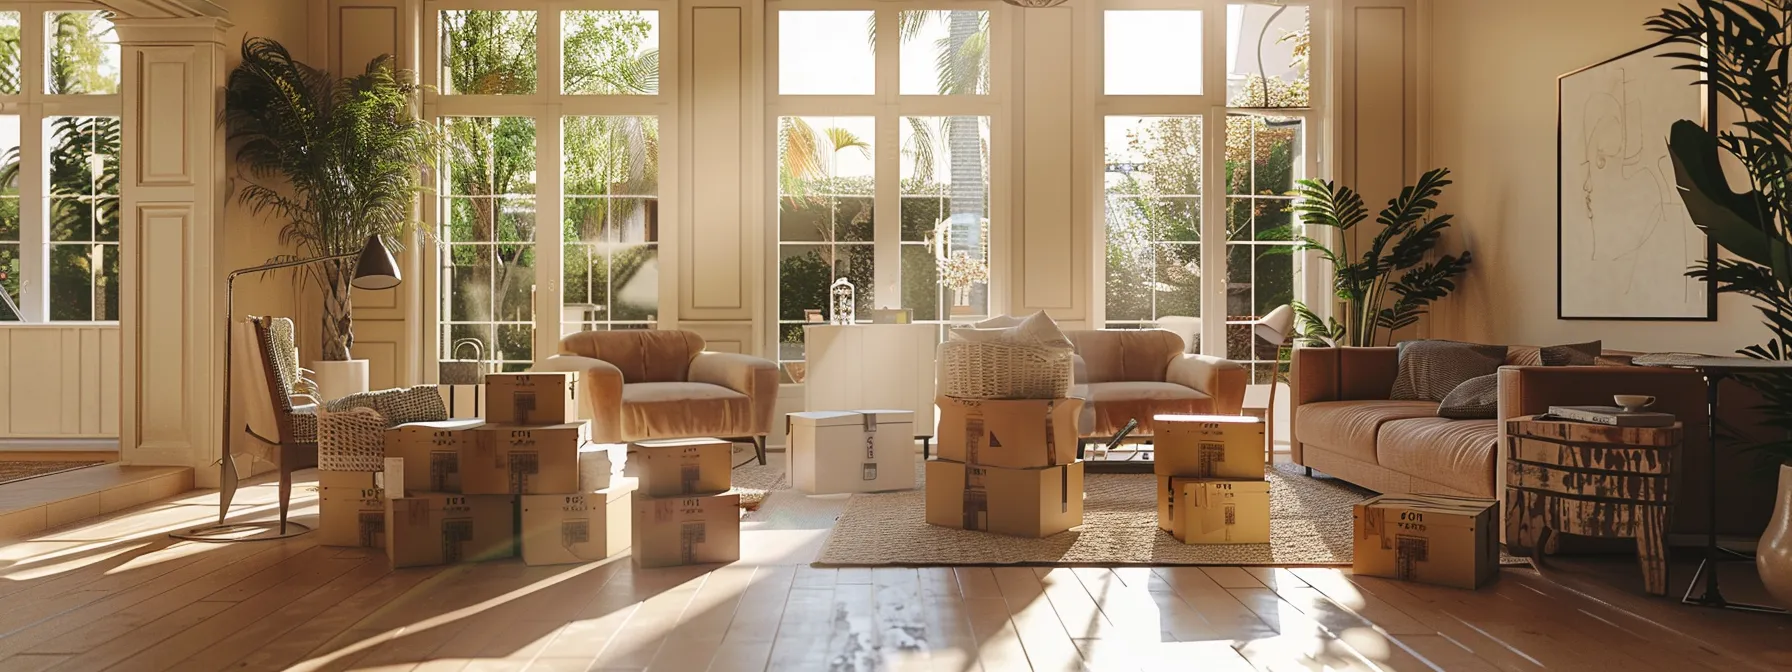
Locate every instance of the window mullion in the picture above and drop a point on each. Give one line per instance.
(887, 167)
(549, 189)
(1214, 274)
(34, 221)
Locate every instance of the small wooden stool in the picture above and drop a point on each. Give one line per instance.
(1591, 480)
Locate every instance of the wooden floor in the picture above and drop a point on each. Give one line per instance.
(117, 593)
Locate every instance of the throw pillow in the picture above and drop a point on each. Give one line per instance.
(1429, 370)
(1577, 354)
(1036, 330)
(1477, 398)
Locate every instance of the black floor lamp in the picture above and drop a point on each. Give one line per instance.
(375, 269)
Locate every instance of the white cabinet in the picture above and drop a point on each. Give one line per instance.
(861, 366)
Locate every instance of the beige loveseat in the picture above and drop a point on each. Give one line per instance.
(1126, 374)
(663, 385)
(1345, 426)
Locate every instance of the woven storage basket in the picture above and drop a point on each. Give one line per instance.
(984, 370)
(352, 440)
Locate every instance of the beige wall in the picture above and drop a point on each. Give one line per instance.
(251, 239)
(1492, 119)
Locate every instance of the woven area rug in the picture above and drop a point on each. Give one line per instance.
(23, 469)
(1310, 524)
(753, 481)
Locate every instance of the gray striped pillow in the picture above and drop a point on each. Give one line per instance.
(1429, 370)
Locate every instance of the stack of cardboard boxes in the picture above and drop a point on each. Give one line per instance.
(1210, 486)
(686, 512)
(468, 490)
(1007, 466)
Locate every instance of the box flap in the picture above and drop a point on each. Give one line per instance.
(432, 425)
(857, 417)
(1234, 419)
(1447, 509)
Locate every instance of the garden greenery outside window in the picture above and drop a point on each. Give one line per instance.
(553, 117)
(59, 165)
(1161, 117)
(883, 121)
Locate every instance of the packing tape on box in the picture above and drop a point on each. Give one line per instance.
(1374, 520)
(690, 534)
(976, 498)
(442, 464)
(521, 467)
(1064, 490)
(973, 438)
(1212, 454)
(1051, 437)
(1409, 551)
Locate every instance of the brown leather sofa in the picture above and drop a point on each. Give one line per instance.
(1125, 374)
(662, 385)
(1345, 426)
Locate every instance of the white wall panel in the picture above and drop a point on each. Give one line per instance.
(1052, 256)
(712, 279)
(62, 381)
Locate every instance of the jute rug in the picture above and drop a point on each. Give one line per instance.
(1310, 524)
(20, 470)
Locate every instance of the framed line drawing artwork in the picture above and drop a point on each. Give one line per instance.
(1623, 238)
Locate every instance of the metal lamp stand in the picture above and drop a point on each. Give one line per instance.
(1712, 595)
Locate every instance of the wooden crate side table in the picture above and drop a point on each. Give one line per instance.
(1591, 480)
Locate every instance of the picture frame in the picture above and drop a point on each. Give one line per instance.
(1624, 240)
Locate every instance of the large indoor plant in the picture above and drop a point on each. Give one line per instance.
(1742, 47)
(1392, 281)
(335, 159)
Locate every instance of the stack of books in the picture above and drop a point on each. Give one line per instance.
(1611, 415)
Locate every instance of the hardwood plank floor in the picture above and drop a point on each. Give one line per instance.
(118, 594)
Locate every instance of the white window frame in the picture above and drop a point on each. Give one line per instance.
(34, 109)
(1211, 106)
(887, 106)
(547, 106)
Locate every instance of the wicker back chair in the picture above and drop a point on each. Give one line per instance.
(287, 431)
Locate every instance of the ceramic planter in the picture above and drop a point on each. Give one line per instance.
(1774, 555)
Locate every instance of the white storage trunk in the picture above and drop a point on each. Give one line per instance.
(852, 451)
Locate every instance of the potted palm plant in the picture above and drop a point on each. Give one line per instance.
(1391, 282)
(336, 160)
(1741, 49)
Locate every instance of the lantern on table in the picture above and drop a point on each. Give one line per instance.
(843, 302)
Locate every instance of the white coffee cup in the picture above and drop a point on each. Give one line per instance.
(1633, 402)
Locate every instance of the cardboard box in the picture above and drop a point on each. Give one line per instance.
(431, 452)
(681, 467)
(695, 530)
(851, 451)
(1439, 539)
(552, 460)
(563, 529)
(435, 528)
(1009, 433)
(1017, 502)
(1209, 511)
(1208, 446)
(351, 509)
(532, 398)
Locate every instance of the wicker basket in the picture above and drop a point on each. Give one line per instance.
(984, 370)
